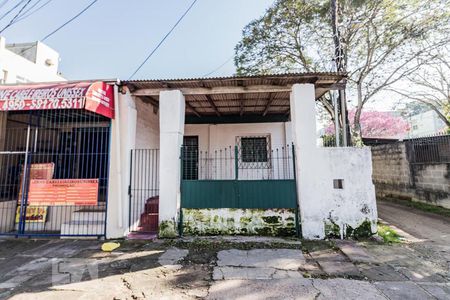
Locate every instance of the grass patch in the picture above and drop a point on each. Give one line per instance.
(439, 210)
(388, 234)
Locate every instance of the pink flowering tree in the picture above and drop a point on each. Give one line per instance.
(378, 124)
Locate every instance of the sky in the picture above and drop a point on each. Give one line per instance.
(113, 37)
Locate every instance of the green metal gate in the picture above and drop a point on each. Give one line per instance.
(246, 176)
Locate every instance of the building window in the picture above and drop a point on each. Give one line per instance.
(4, 77)
(254, 151)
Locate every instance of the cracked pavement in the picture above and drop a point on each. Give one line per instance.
(235, 267)
(220, 268)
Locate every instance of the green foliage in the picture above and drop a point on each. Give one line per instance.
(329, 140)
(447, 114)
(362, 231)
(383, 41)
(388, 234)
(167, 229)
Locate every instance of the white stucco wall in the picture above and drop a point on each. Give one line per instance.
(147, 126)
(18, 69)
(123, 139)
(220, 136)
(320, 202)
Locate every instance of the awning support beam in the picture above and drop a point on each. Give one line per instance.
(213, 105)
(269, 103)
(191, 108)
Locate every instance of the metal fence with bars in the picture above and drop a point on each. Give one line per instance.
(428, 150)
(248, 175)
(70, 144)
(238, 162)
(144, 186)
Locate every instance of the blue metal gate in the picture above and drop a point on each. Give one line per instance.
(48, 145)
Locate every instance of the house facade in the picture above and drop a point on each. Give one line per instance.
(232, 155)
(28, 62)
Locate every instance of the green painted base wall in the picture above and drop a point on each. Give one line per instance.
(230, 221)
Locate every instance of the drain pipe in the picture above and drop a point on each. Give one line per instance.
(118, 161)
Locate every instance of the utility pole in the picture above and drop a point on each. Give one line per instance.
(341, 67)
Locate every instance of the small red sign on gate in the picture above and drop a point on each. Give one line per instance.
(55, 192)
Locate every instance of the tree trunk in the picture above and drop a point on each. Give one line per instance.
(357, 132)
(443, 117)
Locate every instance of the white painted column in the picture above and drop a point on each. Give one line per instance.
(303, 118)
(171, 124)
(123, 134)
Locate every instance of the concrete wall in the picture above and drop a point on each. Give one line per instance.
(395, 177)
(147, 126)
(325, 209)
(18, 69)
(123, 139)
(226, 221)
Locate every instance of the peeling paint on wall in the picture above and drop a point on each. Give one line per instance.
(228, 221)
(326, 210)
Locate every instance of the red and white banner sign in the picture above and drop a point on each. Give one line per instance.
(97, 97)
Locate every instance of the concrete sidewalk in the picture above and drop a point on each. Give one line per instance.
(219, 268)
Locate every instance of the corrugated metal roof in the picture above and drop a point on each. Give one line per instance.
(300, 74)
(258, 102)
(268, 79)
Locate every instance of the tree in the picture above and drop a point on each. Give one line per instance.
(431, 85)
(382, 42)
(377, 124)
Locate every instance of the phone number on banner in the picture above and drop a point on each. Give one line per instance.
(75, 103)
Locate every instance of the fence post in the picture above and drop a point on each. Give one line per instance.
(297, 211)
(180, 221)
(129, 191)
(236, 163)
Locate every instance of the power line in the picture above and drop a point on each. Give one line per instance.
(26, 13)
(15, 17)
(219, 67)
(12, 9)
(33, 12)
(70, 20)
(65, 23)
(164, 38)
(31, 7)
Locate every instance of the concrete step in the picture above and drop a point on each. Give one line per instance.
(79, 228)
(149, 221)
(85, 215)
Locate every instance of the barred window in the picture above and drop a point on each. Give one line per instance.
(254, 149)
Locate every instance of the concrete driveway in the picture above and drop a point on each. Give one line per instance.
(428, 227)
